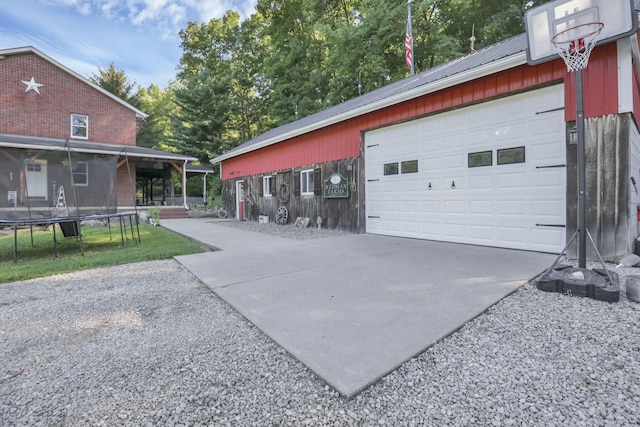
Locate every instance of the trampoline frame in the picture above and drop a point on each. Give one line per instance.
(76, 221)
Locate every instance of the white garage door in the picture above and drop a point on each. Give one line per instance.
(493, 174)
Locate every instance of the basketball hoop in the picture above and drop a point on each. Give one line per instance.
(575, 44)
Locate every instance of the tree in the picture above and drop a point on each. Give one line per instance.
(224, 58)
(293, 58)
(202, 112)
(115, 81)
(297, 49)
(493, 20)
(160, 105)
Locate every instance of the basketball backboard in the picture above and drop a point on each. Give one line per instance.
(545, 21)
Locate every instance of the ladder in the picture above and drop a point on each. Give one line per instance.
(61, 203)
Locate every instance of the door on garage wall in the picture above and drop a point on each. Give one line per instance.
(240, 200)
(492, 174)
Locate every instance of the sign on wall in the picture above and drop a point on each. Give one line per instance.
(336, 187)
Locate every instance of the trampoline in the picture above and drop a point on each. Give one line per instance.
(64, 188)
(71, 227)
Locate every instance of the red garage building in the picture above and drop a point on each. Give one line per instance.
(478, 150)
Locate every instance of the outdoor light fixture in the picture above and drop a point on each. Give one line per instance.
(573, 135)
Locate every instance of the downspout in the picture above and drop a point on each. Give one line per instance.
(204, 188)
(184, 185)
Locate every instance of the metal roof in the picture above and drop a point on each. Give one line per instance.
(191, 168)
(53, 144)
(500, 56)
(31, 49)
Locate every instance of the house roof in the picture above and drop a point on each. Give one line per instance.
(53, 144)
(492, 59)
(31, 49)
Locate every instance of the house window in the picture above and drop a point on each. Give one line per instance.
(81, 174)
(508, 156)
(34, 167)
(410, 166)
(483, 158)
(306, 182)
(266, 185)
(79, 126)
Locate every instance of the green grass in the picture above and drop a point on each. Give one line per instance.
(99, 250)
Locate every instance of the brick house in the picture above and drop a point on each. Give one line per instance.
(62, 134)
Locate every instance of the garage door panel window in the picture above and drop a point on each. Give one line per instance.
(479, 159)
(410, 166)
(508, 156)
(391, 168)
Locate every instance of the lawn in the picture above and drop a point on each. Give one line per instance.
(100, 250)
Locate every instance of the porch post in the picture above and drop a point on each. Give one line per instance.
(184, 185)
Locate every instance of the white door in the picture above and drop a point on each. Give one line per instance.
(240, 200)
(492, 174)
(36, 177)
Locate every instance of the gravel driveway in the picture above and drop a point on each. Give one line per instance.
(148, 344)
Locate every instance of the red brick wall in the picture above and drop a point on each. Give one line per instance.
(126, 185)
(49, 113)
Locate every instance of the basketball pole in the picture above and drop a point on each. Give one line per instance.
(582, 176)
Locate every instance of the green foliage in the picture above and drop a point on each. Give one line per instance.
(214, 185)
(292, 58)
(160, 105)
(99, 251)
(203, 112)
(116, 82)
(154, 213)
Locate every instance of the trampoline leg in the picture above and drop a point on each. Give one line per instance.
(121, 233)
(133, 237)
(15, 243)
(109, 225)
(55, 241)
(80, 237)
(138, 227)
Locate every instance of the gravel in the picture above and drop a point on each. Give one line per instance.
(148, 344)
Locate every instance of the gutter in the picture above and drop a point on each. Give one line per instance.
(93, 151)
(503, 64)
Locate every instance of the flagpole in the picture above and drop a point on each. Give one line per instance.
(408, 41)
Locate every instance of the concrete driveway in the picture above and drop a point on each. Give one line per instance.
(354, 308)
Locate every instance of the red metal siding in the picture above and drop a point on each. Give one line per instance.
(636, 100)
(600, 85)
(48, 114)
(343, 140)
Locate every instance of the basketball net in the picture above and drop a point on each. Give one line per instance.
(575, 44)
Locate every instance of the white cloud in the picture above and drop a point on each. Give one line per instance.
(208, 9)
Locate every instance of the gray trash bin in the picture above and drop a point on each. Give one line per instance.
(633, 287)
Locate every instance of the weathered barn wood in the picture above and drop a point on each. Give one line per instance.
(607, 189)
(336, 213)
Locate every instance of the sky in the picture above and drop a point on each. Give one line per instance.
(138, 36)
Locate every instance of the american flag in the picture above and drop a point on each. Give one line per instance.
(408, 44)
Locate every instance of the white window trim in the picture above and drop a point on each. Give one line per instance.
(305, 174)
(72, 126)
(86, 183)
(267, 180)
